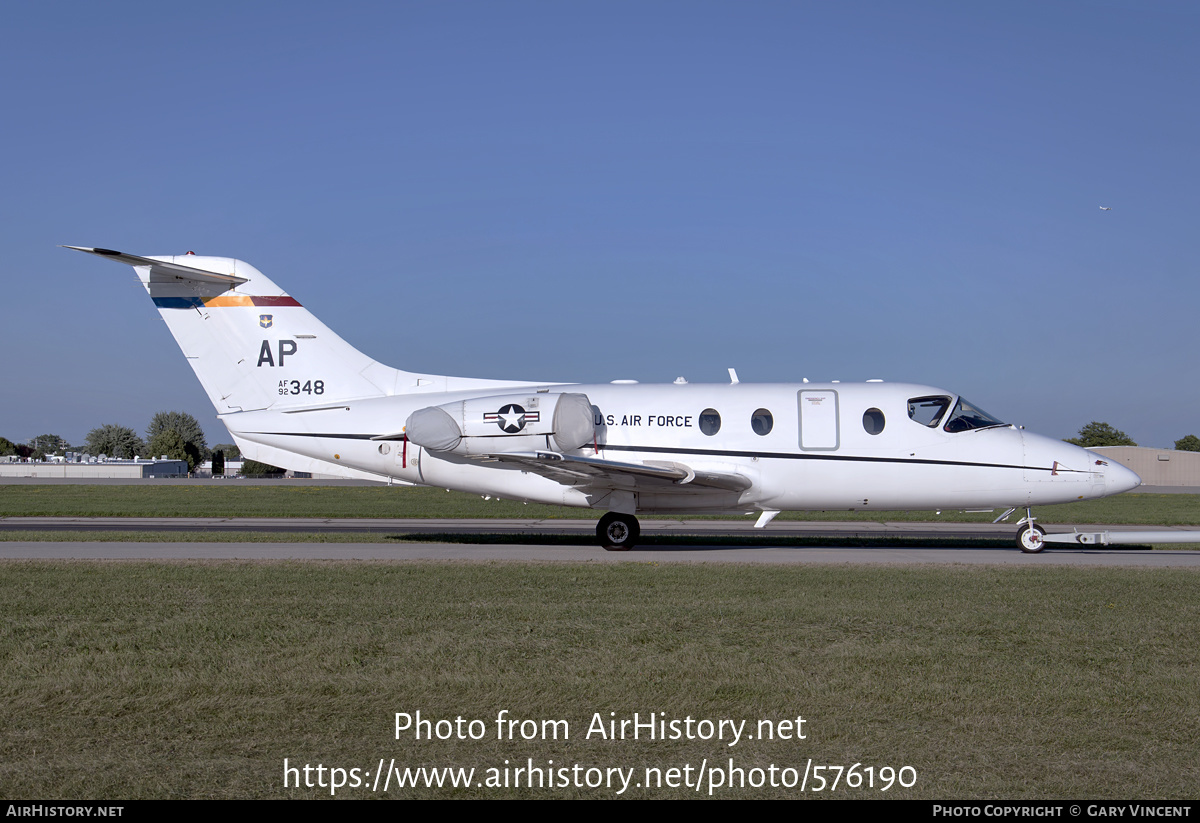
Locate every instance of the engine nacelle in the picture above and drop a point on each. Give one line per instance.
(504, 423)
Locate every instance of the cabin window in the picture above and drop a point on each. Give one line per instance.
(967, 416)
(762, 422)
(928, 411)
(710, 421)
(873, 421)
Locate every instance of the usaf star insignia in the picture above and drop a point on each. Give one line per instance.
(511, 418)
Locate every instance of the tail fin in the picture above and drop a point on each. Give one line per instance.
(251, 344)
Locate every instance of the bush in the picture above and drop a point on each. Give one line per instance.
(1100, 434)
(1191, 443)
(252, 468)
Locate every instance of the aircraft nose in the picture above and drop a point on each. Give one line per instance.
(1118, 478)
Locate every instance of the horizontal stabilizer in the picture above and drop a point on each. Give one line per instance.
(161, 267)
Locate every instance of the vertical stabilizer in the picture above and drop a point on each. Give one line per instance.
(252, 345)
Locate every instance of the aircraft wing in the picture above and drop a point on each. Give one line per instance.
(595, 471)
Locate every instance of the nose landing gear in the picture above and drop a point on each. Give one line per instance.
(618, 532)
(1030, 536)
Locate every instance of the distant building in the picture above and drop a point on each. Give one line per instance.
(85, 466)
(1157, 467)
(232, 468)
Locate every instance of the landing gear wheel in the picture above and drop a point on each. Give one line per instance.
(1030, 538)
(618, 532)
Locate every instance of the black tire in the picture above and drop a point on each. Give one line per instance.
(1029, 538)
(618, 532)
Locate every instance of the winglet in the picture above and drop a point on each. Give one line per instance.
(164, 267)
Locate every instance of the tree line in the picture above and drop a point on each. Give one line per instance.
(175, 434)
(1097, 434)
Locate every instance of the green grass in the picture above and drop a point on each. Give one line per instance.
(235, 500)
(127, 680)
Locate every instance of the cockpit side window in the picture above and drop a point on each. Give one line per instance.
(967, 416)
(928, 411)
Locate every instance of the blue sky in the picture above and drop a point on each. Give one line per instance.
(907, 191)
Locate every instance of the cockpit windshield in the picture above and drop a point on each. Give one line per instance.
(967, 416)
(928, 411)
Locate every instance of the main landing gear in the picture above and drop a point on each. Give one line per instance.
(1030, 536)
(618, 532)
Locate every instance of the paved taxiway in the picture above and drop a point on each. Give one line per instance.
(510, 549)
(783, 555)
(585, 530)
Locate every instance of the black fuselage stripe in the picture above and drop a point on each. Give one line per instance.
(844, 458)
(319, 434)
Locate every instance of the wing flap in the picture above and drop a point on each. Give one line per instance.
(565, 468)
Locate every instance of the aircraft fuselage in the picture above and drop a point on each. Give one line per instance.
(295, 394)
(809, 459)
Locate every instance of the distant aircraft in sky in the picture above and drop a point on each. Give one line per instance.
(1105, 208)
(296, 395)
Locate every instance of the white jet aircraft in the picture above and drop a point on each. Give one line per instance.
(294, 394)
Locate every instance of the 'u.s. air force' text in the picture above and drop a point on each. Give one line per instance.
(662, 421)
